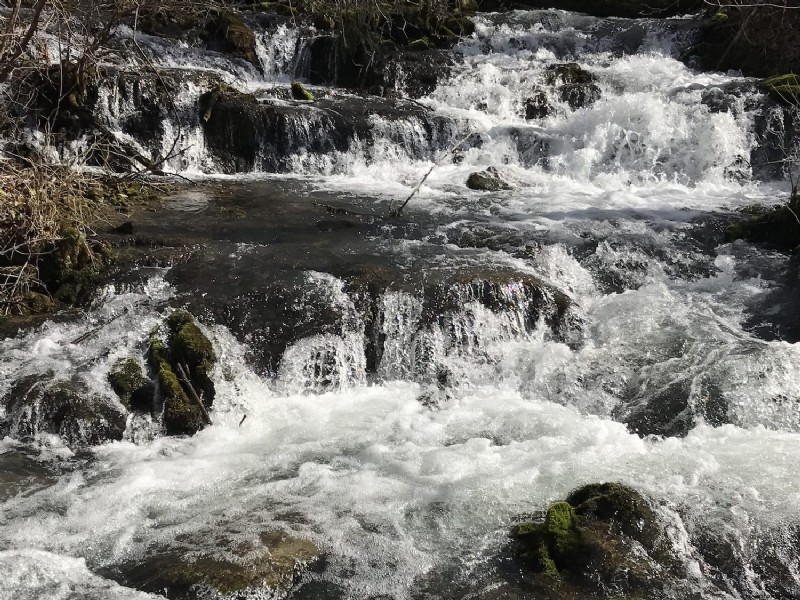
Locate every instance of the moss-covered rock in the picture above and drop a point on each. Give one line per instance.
(190, 347)
(186, 347)
(487, 181)
(604, 540)
(71, 268)
(181, 416)
(128, 381)
(299, 92)
(38, 404)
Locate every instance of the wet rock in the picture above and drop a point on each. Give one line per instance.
(410, 72)
(537, 106)
(235, 567)
(244, 133)
(228, 32)
(187, 351)
(769, 561)
(299, 92)
(673, 410)
(129, 383)
(604, 540)
(487, 181)
(778, 227)
(190, 347)
(38, 404)
(574, 84)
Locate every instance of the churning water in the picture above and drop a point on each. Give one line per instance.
(617, 204)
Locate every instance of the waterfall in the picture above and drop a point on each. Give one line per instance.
(399, 391)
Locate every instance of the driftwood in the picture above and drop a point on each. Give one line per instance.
(395, 212)
(183, 371)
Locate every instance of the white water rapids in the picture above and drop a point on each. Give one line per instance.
(400, 495)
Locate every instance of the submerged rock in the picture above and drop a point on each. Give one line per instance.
(673, 410)
(266, 565)
(487, 181)
(37, 404)
(604, 540)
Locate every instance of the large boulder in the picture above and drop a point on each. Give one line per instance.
(39, 404)
(604, 540)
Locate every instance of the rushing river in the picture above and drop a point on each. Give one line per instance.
(620, 204)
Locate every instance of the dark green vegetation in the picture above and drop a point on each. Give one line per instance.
(603, 541)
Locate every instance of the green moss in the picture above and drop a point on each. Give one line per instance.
(546, 565)
(299, 92)
(187, 343)
(561, 529)
(126, 377)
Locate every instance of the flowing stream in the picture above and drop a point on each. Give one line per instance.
(408, 466)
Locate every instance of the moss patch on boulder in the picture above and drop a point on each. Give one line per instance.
(128, 381)
(604, 538)
(783, 88)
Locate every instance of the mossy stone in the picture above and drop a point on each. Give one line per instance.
(299, 92)
(181, 416)
(189, 347)
(593, 542)
(126, 378)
